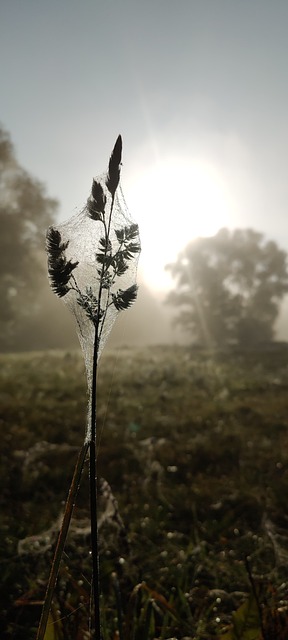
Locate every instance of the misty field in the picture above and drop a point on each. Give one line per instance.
(193, 467)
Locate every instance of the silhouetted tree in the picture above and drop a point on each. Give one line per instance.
(229, 287)
(25, 213)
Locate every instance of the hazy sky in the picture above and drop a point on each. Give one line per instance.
(197, 88)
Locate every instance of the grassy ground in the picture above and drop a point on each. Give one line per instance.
(193, 510)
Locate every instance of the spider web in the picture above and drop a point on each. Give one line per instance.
(82, 234)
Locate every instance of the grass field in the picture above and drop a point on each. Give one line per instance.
(193, 458)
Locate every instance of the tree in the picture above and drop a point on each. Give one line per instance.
(229, 288)
(25, 213)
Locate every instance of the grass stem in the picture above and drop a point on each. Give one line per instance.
(62, 536)
(93, 494)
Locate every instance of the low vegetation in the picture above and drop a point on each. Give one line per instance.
(193, 460)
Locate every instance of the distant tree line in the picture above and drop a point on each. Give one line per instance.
(25, 213)
(229, 288)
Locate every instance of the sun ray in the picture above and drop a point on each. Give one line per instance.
(176, 200)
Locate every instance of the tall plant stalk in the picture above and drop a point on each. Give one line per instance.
(95, 301)
(93, 477)
(91, 447)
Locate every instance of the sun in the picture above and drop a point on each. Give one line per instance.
(175, 201)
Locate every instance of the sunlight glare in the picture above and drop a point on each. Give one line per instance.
(176, 201)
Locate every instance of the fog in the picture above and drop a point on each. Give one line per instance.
(281, 325)
(148, 322)
(211, 145)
